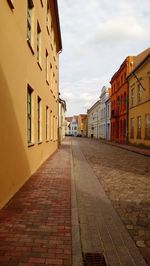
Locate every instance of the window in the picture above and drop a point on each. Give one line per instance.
(29, 20)
(10, 3)
(47, 123)
(139, 93)
(51, 125)
(38, 42)
(139, 127)
(132, 128)
(46, 66)
(39, 118)
(29, 114)
(48, 18)
(132, 97)
(41, 2)
(147, 126)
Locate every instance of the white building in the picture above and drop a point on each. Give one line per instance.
(103, 98)
(93, 117)
(73, 130)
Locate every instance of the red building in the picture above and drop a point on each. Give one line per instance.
(119, 93)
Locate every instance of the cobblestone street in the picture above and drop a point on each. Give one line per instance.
(125, 177)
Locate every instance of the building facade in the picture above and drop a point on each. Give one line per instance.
(119, 92)
(93, 120)
(82, 125)
(73, 130)
(103, 98)
(29, 48)
(139, 103)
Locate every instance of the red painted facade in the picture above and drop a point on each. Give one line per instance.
(119, 97)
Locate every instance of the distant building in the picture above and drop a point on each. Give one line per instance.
(67, 126)
(73, 126)
(139, 102)
(61, 120)
(82, 125)
(29, 48)
(93, 120)
(103, 98)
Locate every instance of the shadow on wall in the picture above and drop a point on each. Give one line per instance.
(14, 167)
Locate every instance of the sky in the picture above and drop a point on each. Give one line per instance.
(97, 35)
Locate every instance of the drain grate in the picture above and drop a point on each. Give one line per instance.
(94, 259)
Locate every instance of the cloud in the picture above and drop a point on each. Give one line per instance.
(97, 36)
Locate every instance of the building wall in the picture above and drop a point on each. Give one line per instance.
(139, 106)
(82, 125)
(18, 68)
(119, 92)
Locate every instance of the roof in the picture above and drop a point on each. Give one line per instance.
(55, 3)
(93, 106)
(135, 61)
(69, 118)
(144, 57)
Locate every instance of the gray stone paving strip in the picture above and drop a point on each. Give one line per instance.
(76, 241)
(100, 227)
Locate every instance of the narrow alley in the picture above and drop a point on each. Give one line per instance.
(68, 212)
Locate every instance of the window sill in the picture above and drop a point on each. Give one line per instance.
(39, 142)
(30, 46)
(31, 144)
(39, 65)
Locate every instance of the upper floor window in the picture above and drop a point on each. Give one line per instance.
(29, 19)
(132, 96)
(139, 93)
(38, 43)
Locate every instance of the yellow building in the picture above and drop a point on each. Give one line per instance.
(139, 103)
(29, 46)
(82, 125)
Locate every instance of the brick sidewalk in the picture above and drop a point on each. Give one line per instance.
(35, 225)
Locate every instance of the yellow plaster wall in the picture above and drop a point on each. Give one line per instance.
(18, 67)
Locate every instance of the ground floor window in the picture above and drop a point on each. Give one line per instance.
(29, 114)
(147, 126)
(139, 127)
(132, 128)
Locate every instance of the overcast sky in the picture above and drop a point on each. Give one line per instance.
(97, 35)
